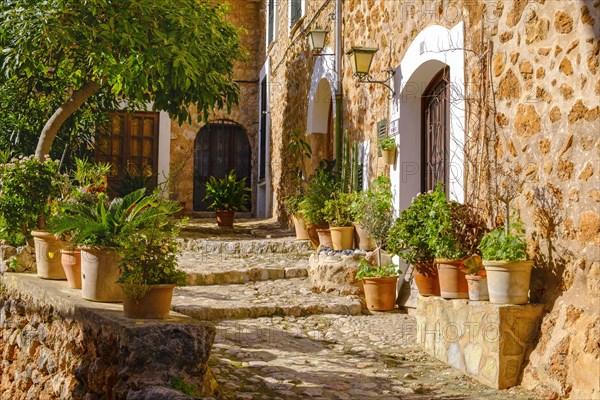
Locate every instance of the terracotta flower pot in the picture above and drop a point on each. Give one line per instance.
(99, 274)
(325, 237)
(389, 156)
(71, 262)
(380, 293)
(154, 304)
(312, 232)
(478, 288)
(453, 282)
(427, 279)
(47, 255)
(225, 218)
(365, 242)
(342, 237)
(508, 282)
(300, 227)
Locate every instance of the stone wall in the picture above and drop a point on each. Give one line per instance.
(53, 345)
(543, 67)
(486, 341)
(533, 110)
(247, 15)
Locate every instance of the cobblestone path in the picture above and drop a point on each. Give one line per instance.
(277, 339)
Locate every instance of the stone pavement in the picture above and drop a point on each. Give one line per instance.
(277, 338)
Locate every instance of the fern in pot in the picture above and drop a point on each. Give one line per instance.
(507, 264)
(227, 195)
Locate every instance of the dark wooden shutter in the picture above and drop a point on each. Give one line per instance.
(381, 133)
(295, 12)
(271, 21)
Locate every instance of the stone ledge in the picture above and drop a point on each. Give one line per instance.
(488, 342)
(56, 345)
(329, 273)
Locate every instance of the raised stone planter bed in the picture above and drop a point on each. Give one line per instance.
(55, 345)
(488, 342)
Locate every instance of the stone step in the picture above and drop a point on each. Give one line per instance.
(223, 268)
(243, 246)
(285, 297)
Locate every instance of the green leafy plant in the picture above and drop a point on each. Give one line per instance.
(136, 177)
(107, 223)
(409, 236)
(506, 244)
(454, 230)
(376, 212)
(149, 256)
(388, 143)
(319, 189)
(26, 188)
(228, 193)
(292, 203)
(178, 383)
(339, 210)
(366, 270)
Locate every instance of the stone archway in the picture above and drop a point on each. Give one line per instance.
(219, 147)
(434, 49)
(321, 111)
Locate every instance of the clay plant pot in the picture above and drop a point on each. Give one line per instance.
(508, 282)
(225, 218)
(325, 237)
(99, 274)
(71, 262)
(312, 232)
(47, 255)
(478, 288)
(380, 293)
(389, 156)
(154, 304)
(364, 241)
(427, 279)
(453, 281)
(342, 237)
(300, 227)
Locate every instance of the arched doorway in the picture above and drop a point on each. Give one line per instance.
(220, 147)
(321, 130)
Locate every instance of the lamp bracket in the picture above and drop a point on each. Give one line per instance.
(367, 78)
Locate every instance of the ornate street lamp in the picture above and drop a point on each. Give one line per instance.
(316, 39)
(361, 59)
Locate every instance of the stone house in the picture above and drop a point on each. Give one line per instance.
(483, 95)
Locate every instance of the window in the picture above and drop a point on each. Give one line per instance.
(436, 132)
(129, 143)
(296, 11)
(271, 16)
(262, 141)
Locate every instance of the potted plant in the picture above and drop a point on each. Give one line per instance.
(409, 240)
(454, 232)
(292, 207)
(388, 150)
(318, 191)
(476, 278)
(299, 152)
(88, 181)
(227, 195)
(28, 187)
(367, 205)
(148, 265)
(507, 265)
(338, 212)
(98, 229)
(379, 283)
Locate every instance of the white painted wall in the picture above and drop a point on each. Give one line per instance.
(318, 105)
(432, 49)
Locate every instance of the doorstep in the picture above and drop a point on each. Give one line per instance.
(488, 342)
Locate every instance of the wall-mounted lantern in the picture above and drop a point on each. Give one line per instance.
(361, 59)
(316, 39)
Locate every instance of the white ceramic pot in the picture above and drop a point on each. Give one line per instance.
(99, 274)
(47, 255)
(478, 288)
(508, 282)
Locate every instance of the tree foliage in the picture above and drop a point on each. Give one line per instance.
(169, 54)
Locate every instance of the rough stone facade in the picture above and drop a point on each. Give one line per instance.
(532, 90)
(53, 346)
(486, 341)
